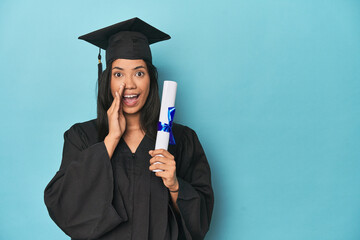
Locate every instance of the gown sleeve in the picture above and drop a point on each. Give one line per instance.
(196, 198)
(79, 197)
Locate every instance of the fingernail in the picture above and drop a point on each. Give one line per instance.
(116, 93)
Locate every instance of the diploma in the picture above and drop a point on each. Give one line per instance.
(167, 111)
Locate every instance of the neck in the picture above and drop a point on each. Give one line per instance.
(132, 122)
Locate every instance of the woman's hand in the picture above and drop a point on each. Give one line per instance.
(116, 119)
(117, 122)
(168, 166)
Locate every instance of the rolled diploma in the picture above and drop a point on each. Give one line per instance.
(167, 100)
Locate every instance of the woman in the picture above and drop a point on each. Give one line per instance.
(105, 187)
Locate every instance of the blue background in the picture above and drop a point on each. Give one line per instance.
(271, 87)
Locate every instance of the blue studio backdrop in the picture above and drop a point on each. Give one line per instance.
(271, 87)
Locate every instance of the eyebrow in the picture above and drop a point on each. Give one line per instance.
(133, 68)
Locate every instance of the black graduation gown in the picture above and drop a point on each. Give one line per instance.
(94, 197)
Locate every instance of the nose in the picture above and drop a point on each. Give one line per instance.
(130, 84)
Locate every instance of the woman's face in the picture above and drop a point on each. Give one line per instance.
(135, 75)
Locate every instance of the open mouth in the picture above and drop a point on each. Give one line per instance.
(130, 99)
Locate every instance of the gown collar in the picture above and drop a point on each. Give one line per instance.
(146, 144)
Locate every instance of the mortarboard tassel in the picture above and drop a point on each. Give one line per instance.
(99, 65)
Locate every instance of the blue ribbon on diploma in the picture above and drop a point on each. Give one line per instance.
(164, 127)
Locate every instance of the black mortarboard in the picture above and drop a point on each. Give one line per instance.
(129, 39)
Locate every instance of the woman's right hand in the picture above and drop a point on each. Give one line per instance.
(117, 122)
(116, 119)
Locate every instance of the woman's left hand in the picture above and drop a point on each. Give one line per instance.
(168, 166)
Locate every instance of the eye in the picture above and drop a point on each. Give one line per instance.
(117, 74)
(139, 74)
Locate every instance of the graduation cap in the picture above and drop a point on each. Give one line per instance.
(129, 39)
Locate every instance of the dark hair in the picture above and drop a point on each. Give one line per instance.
(149, 115)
